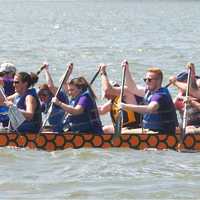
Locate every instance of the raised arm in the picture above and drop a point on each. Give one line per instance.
(195, 92)
(178, 84)
(130, 83)
(49, 79)
(194, 89)
(109, 89)
(106, 85)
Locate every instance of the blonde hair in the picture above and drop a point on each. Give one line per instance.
(157, 71)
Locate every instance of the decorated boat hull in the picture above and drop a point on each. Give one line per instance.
(50, 141)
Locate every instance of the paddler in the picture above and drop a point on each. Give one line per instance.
(82, 113)
(193, 101)
(111, 92)
(26, 100)
(158, 111)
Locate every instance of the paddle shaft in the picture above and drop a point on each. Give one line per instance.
(95, 76)
(118, 125)
(123, 83)
(40, 70)
(167, 85)
(186, 104)
(3, 93)
(51, 105)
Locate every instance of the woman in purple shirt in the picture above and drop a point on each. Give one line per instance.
(82, 110)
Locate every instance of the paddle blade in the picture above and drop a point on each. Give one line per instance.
(16, 117)
(119, 121)
(185, 112)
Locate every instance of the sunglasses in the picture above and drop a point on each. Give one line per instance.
(15, 82)
(149, 79)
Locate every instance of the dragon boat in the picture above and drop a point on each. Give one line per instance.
(134, 139)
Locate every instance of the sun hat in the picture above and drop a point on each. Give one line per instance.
(7, 67)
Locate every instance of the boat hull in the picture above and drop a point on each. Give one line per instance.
(50, 141)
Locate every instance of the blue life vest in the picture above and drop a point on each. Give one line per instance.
(164, 120)
(88, 121)
(9, 90)
(57, 114)
(8, 86)
(35, 124)
(4, 119)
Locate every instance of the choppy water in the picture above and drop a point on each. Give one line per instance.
(98, 174)
(164, 33)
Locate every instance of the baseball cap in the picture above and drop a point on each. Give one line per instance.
(7, 67)
(183, 76)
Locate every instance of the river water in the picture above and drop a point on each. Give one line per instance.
(163, 33)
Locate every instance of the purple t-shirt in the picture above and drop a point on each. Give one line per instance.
(85, 102)
(8, 86)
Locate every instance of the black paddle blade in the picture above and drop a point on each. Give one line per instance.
(95, 76)
(118, 125)
(119, 121)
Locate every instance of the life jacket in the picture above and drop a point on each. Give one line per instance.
(7, 88)
(61, 97)
(129, 117)
(4, 119)
(164, 120)
(36, 121)
(57, 114)
(89, 120)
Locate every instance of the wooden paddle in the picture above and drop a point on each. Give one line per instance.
(183, 129)
(67, 73)
(119, 121)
